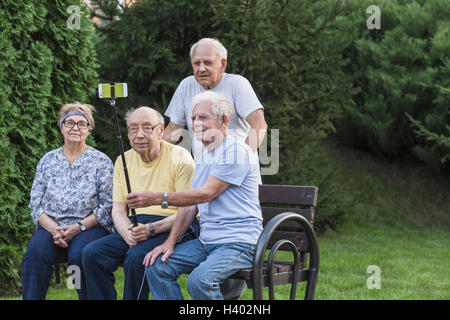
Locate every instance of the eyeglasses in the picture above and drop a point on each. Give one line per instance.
(132, 131)
(69, 124)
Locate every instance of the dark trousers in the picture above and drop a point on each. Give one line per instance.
(101, 258)
(42, 253)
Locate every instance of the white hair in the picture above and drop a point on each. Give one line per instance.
(220, 105)
(216, 44)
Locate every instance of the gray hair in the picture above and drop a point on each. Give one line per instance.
(129, 112)
(216, 44)
(220, 105)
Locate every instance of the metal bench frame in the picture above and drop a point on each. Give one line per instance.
(286, 229)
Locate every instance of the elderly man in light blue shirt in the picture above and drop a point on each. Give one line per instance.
(224, 192)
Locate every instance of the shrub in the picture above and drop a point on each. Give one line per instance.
(403, 72)
(42, 65)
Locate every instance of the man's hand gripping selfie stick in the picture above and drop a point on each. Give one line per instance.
(112, 101)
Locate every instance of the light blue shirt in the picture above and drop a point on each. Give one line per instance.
(234, 215)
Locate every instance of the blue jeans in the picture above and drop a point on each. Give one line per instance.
(42, 253)
(101, 259)
(209, 265)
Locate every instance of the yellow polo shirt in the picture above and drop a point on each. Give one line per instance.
(171, 171)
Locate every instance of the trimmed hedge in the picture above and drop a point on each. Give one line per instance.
(43, 64)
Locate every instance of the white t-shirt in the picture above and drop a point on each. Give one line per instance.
(234, 87)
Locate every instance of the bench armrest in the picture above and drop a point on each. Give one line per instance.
(261, 246)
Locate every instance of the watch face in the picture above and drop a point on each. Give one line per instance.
(165, 204)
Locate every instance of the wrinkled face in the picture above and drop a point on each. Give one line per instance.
(205, 125)
(141, 140)
(208, 68)
(74, 134)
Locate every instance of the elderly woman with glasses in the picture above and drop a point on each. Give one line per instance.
(71, 201)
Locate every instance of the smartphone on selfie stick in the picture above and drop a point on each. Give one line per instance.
(112, 91)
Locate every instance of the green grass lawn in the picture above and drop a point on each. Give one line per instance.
(414, 264)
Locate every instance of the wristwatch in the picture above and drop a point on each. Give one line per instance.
(165, 204)
(152, 230)
(82, 226)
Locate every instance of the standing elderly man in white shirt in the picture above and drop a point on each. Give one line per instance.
(209, 61)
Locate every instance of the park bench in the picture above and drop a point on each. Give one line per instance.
(286, 229)
(288, 216)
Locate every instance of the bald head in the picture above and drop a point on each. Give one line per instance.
(144, 114)
(145, 131)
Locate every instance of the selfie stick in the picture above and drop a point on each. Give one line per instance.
(119, 138)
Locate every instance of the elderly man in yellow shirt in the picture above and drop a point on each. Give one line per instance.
(152, 164)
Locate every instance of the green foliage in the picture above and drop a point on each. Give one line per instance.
(434, 147)
(43, 64)
(402, 68)
(148, 49)
(289, 51)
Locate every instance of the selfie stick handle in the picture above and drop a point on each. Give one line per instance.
(133, 217)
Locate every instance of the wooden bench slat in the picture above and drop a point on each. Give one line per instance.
(282, 194)
(281, 277)
(270, 212)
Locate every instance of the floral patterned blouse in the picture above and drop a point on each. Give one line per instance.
(68, 194)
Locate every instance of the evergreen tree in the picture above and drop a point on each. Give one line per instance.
(43, 64)
(289, 50)
(401, 70)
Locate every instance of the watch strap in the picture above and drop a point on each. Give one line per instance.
(82, 226)
(165, 203)
(151, 228)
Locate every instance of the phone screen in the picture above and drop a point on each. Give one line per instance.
(105, 89)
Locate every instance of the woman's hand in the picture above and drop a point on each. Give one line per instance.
(69, 232)
(58, 238)
(52, 227)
